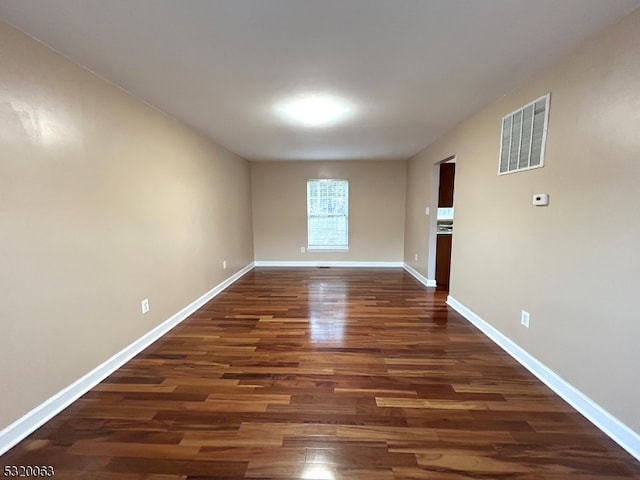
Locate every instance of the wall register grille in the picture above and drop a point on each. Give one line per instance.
(524, 134)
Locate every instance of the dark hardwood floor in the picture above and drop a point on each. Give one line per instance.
(323, 374)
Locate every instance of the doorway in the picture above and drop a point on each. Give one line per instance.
(441, 224)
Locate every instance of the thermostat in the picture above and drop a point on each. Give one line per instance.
(540, 199)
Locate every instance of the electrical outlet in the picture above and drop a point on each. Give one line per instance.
(224, 264)
(302, 249)
(524, 318)
(416, 257)
(145, 305)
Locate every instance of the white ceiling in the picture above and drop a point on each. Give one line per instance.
(412, 68)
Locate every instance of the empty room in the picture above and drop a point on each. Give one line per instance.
(323, 240)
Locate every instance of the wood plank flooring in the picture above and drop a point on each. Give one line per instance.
(323, 374)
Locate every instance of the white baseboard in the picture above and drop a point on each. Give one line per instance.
(267, 263)
(28, 423)
(427, 282)
(610, 425)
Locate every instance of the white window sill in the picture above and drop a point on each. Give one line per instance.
(327, 250)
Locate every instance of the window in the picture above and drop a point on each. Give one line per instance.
(523, 137)
(328, 215)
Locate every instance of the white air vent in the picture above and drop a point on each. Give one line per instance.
(523, 137)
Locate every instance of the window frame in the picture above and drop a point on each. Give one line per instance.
(328, 248)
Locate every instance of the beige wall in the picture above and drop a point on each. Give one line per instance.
(574, 264)
(422, 193)
(103, 202)
(376, 209)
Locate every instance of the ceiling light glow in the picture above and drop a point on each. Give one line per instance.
(315, 110)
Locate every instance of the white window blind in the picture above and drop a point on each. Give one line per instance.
(328, 215)
(523, 139)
